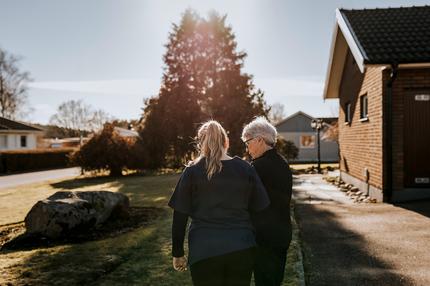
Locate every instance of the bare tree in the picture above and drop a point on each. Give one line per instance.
(73, 114)
(276, 113)
(331, 132)
(13, 86)
(76, 115)
(99, 118)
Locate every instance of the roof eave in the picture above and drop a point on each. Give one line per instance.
(292, 116)
(342, 40)
(358, 53)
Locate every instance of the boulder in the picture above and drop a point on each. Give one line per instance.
(67, 212)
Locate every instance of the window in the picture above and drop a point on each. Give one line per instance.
(3, 141)
(23, 141)
(348, 115)
(307, 141)
(363, 107)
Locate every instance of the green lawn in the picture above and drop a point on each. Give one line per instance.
(138, 257)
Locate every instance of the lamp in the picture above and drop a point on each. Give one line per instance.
(317, 124)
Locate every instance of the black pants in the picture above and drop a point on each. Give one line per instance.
(234, 268)
(269, 266)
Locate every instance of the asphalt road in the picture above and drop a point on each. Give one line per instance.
(9, 181)
(360, 244)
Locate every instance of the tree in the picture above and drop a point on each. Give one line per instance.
(13, 86)
(276, 113)
(54, 131)
(202, 80)
(98, 119)
(331, 132)
(106, 150)
(127, 124)
(76, 115)
(287, 148)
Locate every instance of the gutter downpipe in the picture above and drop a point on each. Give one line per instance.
(388, 136)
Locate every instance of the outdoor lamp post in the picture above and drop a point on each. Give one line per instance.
(317, 124)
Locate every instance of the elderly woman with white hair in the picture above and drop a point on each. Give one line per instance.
(273, 225)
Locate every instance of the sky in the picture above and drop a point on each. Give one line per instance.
(109, 53)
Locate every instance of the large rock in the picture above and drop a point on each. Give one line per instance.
(66, 213)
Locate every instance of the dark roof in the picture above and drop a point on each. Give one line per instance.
(329, 120)
(391, 35)
(7, 124)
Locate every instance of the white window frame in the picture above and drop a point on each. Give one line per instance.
(348, 115)
(364, 107)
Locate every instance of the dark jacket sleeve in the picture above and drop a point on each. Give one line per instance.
(181, 197)
(179, 226)
(259, 199)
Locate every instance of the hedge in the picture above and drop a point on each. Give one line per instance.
(33, 160)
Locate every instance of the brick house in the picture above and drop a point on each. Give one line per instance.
(379, 69)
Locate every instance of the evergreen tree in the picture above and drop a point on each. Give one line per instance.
(202, 80)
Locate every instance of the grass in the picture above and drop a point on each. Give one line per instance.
(138, 257)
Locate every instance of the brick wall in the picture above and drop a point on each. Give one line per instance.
(361, 141)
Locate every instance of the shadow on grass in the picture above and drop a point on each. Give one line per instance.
(138, 257)
(84, 182)
(421, 207)
(138, 217)
(335, 255)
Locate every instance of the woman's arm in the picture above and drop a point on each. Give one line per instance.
(179, 226)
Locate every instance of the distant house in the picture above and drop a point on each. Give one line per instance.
(297, 128)
(128, 133)
(70, 142)
(16, 135)
(379, 69)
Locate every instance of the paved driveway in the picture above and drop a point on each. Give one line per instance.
(10, 181)
(360, 244)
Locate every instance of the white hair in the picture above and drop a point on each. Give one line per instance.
(260, 127)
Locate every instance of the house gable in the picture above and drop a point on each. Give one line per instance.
(298, 122)
(374, 38)
(12, 125)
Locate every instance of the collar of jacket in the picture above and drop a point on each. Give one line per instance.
(268, 152)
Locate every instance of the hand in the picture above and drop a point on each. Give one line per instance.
(180, 263)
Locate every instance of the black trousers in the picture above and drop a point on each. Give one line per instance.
(234, 268)
(269, 266)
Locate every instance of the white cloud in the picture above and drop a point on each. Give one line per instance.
(145, 87)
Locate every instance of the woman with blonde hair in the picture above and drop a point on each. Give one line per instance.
(218, 192)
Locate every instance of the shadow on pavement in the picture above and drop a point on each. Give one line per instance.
(335, 255)
(421, 207)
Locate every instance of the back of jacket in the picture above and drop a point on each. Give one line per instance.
(273, 225)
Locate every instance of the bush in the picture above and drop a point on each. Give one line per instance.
(106, 151)
(287, 148)
(33, 160)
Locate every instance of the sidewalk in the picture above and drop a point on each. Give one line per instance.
(360, 244)
(9, 181)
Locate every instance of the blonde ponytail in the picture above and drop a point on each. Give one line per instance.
(212, 139)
